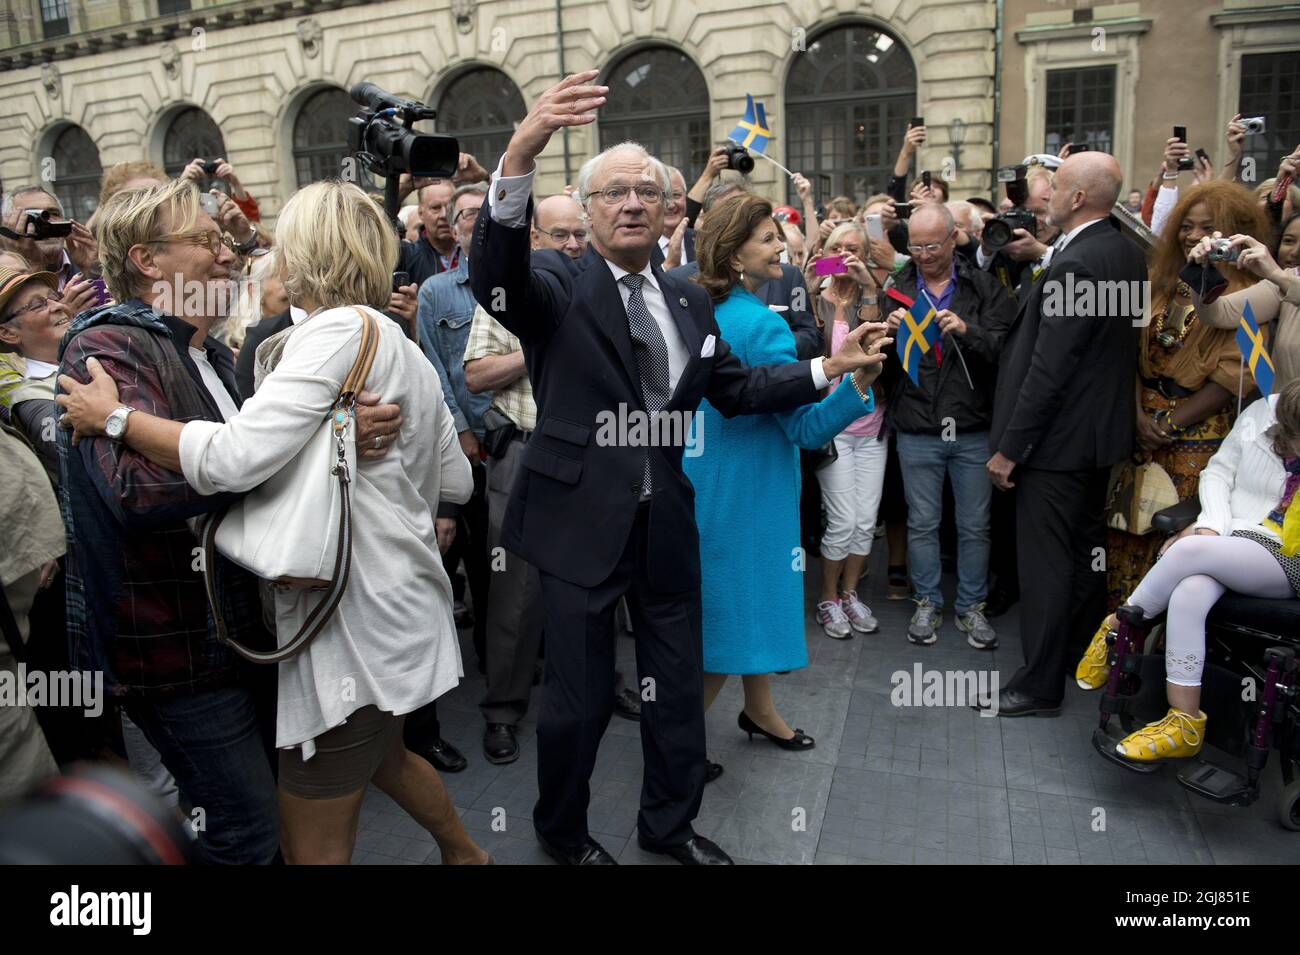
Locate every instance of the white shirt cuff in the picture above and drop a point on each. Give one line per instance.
(508, 196)
(819, 378)
(982, 258)
(196, 436)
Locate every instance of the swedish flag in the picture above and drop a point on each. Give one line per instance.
(918, 333)
(1251, 342)
(752, 131)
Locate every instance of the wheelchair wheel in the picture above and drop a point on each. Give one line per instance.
(1288, 806)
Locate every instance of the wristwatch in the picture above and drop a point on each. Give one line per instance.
(243, 248)
(115, 423)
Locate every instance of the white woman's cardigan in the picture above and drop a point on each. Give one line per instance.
(392, 641)
(1244, 480)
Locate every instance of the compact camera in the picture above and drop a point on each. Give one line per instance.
(1222, 250)
(1254, 124)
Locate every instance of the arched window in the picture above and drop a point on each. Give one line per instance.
(480, 108)
(322, 138)
(658, 98)
(848, 98)
(191, 135)
(76, 172)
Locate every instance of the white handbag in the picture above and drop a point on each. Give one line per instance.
(295, 529)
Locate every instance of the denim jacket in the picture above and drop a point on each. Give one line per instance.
(446, 312)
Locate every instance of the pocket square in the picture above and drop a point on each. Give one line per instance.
(779, 308)
(707, 350)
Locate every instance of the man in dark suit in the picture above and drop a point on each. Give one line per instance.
(612, 336)
(1062, 416)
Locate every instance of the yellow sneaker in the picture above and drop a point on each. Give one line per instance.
(1093, 671)
(1178, 735)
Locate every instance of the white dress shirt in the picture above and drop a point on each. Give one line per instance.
(508, 204)
(225, 404)
(1060, 244)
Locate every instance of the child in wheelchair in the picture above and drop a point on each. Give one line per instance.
(1246, 539)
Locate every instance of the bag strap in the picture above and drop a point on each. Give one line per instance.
(341, 414)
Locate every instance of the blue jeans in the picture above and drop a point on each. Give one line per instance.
(210, 743)
(924, 459)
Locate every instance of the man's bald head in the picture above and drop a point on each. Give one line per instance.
(1086, 187)
(560, 223)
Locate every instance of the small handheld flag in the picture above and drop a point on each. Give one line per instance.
(1253, 353)
(919, 332)
(752, 131)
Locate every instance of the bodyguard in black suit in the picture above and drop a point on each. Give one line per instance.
(1062, 417)
(612, 336)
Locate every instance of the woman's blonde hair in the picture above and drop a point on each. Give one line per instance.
(119, 174)
(1286, 431)
(843, 229)
(724, 230)
(335, 247)
(247, 310)
(140, 216)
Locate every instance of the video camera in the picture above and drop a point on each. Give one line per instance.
(39, 224)
(1001, 229)
(385, 144)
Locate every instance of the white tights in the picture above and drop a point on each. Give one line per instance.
(1187, 581)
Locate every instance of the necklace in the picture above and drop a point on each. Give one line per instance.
(1182, 325)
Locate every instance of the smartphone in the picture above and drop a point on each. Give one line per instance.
(830, 265)
(1079, 148)
(903, 209)
(875, 227)
(925, 179)
(209, 204)
(916, 121)
(400, 279)
(1202, 154)
(1180, 134)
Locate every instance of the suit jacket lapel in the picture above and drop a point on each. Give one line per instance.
(611, 316)
(685, 324)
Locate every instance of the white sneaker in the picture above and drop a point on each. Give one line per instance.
(925, 621)
(834, 622)
(859, 614)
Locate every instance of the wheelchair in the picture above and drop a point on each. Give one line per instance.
(1251, 689)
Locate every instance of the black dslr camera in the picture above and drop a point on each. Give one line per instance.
(1001, 229)
(385, 144)
(739, 159)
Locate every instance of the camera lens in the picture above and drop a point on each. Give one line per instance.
(997, 233)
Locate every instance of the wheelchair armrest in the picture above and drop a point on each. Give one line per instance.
(1177, 517)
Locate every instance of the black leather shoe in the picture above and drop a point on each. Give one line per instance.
(499, 743)
(711, 771)
(1015, 703)
(590, 852)
(444, 757)
(627, 704)
(1000, 601)
(800, 739)
(694, 851)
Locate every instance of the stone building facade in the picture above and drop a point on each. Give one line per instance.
(87, 83)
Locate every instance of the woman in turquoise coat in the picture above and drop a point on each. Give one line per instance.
(746, 477)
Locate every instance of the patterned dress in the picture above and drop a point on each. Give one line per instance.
(1130, 556)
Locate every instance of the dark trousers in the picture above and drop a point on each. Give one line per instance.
(1002, 541)
(1061, 540)
(471, 546)
(579, 699)
(514, 620)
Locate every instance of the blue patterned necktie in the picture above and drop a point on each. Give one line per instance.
(651, 353)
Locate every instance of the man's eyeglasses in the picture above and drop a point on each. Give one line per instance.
(35, 305)
(213, 241)
(561, 236)
(929, 248)
(466, 214)
(617, 195)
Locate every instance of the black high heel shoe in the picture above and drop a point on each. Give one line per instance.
(799, 740)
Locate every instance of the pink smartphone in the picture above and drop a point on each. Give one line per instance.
(830, 265)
